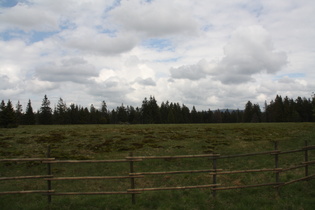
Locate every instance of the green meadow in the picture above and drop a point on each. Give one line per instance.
(98, 142)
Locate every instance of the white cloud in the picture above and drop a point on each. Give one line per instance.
(89, 40)
(38, 86)
(146, 81)
(250, 51)
(26, 17)
(113, 90)
(73, 70)
(211, 54)
(192, 72)
(153, 19)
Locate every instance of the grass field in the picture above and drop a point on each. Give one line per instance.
(116, 141)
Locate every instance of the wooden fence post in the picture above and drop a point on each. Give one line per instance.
(132, 180)
(214, 176)
(277, 165)
(306, 158)
(49, 173)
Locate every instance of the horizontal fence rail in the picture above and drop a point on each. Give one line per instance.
(27, 159)
(25, 177)
(174, 172)
(172, 157)
(173, 188)
(94, 193)
(213, 171)
(93, 177)
(91, 161)
(27, 192)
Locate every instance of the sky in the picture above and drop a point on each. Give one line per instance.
(210, 54)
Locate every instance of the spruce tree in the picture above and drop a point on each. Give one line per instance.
(19, 113)
(248, 112)
(2, 113)
(104, 118)
(60, 112)
(45, 113)
(8, 119)
(29, 117)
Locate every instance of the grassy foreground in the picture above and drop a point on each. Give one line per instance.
(116, 141)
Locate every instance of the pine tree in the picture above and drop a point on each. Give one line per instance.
(45, 113)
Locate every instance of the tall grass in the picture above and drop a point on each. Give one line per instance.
(116, 141)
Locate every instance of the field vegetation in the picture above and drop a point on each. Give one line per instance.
(84, 142)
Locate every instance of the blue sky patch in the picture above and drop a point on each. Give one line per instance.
(13, 34)
(8, 3)
(159, 44)
(109, 32)
(294, 75)
(168, 60)
(115, 4)
(30, 37)
(39, 36)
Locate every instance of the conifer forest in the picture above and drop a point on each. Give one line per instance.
(278, 110)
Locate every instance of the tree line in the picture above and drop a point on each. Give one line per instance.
(278, 110)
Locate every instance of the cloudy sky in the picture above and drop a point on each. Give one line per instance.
(208, 54)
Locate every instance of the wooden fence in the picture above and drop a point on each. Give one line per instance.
(215, 172)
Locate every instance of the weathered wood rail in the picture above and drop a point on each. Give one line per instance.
(213, 171)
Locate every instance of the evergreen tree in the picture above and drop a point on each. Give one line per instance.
(226, 116)
(122, 115)
(2, 114)
(164, 112)
(194, 115)
(73, 114)
(133, 115)
(150, 111)
(185, 114)
(29, 117)
(256, 116)
(60, 112)
(248, 112)
(104, 118)
(113, 117)
(177, 113)
(8, 118)
(84, 115)
(94, 117)
(45, 113)
(217, 116)
(19, 113)
(278, 109)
